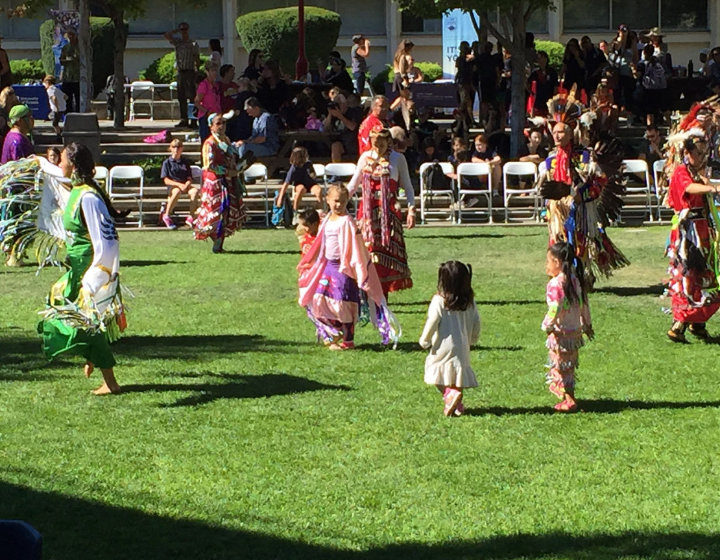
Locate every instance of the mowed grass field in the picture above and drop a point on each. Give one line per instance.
(237, 436)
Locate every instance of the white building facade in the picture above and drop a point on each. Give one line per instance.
(688, 25)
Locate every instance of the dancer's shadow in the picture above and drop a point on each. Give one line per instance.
(193, 346)
(592, 406)
(234, 386)
(261, 252)
(404, 346)
(654, 290)
(144, 263)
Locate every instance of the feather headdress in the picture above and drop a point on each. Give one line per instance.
(564, 108)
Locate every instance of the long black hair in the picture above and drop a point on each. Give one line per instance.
(82, 159)
(455, 285)
(565, 254)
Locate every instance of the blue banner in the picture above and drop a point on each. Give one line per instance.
(456, 27)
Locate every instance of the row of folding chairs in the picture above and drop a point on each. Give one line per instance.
(458, 195)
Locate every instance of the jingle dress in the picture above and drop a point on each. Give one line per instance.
(221, 210)
(379, 215)
(564, 324)
(84, 309)
(693, 283)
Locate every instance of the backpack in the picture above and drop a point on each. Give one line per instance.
(654, 77)
(282, 216)
(435, 179)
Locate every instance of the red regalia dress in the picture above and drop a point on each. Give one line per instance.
(221, 210)
(693, 284)
(380, 219)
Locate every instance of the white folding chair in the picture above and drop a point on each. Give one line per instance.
(126, 173)
(101, 175)
(258, 171)
(142, 92)
(344, 172)
(479, 170)
(640, 167)
(427, 193)
(520, 169)
(196, 172)
(319, 170)
(658, 175)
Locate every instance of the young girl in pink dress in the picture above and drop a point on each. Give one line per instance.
(337, 275)
(567, 318)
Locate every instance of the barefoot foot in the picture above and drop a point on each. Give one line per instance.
(105, 389)
(88, 369)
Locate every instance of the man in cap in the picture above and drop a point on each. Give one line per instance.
(17, 143)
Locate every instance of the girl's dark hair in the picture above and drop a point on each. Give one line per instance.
(253, 56)
(215, 45)
(224, 69)
(82, 159)
(565, 253)
(309, 216)
(455, 285)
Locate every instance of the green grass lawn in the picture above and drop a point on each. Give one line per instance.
(239, 437)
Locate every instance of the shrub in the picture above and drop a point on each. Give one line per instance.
(102, 41)
(162, 70)
(24, 70)
(275, 33)
(151, 167)
(554, 51)
(431, 72)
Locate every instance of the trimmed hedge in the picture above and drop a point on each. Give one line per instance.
(24, 70)
(431, 72)
(275, 32)
(102, 42)
(555, 52)
(162, 70)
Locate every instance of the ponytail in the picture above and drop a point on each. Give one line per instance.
(571, 267)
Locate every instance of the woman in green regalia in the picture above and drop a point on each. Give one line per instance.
(84, 309)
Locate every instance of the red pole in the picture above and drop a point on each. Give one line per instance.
(301, 65)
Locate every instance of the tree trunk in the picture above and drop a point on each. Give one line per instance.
(517, 99)
(119, 43)
(85, 56)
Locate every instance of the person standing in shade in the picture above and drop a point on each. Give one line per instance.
(359, 52)
(70, 60)
(187, 59)
(5, 72)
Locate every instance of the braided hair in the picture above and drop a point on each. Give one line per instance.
(565, 253)
(82, 160)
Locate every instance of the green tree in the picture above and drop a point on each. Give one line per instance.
(509, 31)
(117, 11)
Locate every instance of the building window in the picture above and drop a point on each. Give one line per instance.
(415, 24)
(684, 15)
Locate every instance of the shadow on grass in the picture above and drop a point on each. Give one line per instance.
(499, 348)
(141, 263)
(403, 346)
(235, 386)
(654, 290)
(494, 302)
(262, 252)
(593, 406)
(189, 346)
(25, 354)
(79, 529)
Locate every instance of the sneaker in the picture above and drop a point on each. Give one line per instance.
(452, 398)
(189, 221)
(677, 332)
(182, 124)
(167, 220)
(296, 218)
(460, 410)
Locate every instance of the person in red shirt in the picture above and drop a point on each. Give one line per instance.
(693, 285)
(307, 229)
(375, 119)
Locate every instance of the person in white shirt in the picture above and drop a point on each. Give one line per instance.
(56, 99)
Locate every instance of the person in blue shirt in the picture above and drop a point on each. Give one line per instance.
(177, 176)
(265, 137)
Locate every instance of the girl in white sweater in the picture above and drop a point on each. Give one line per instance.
(452, 326)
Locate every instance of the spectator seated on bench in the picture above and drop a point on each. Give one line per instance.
(265, 137)
(177, 176)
